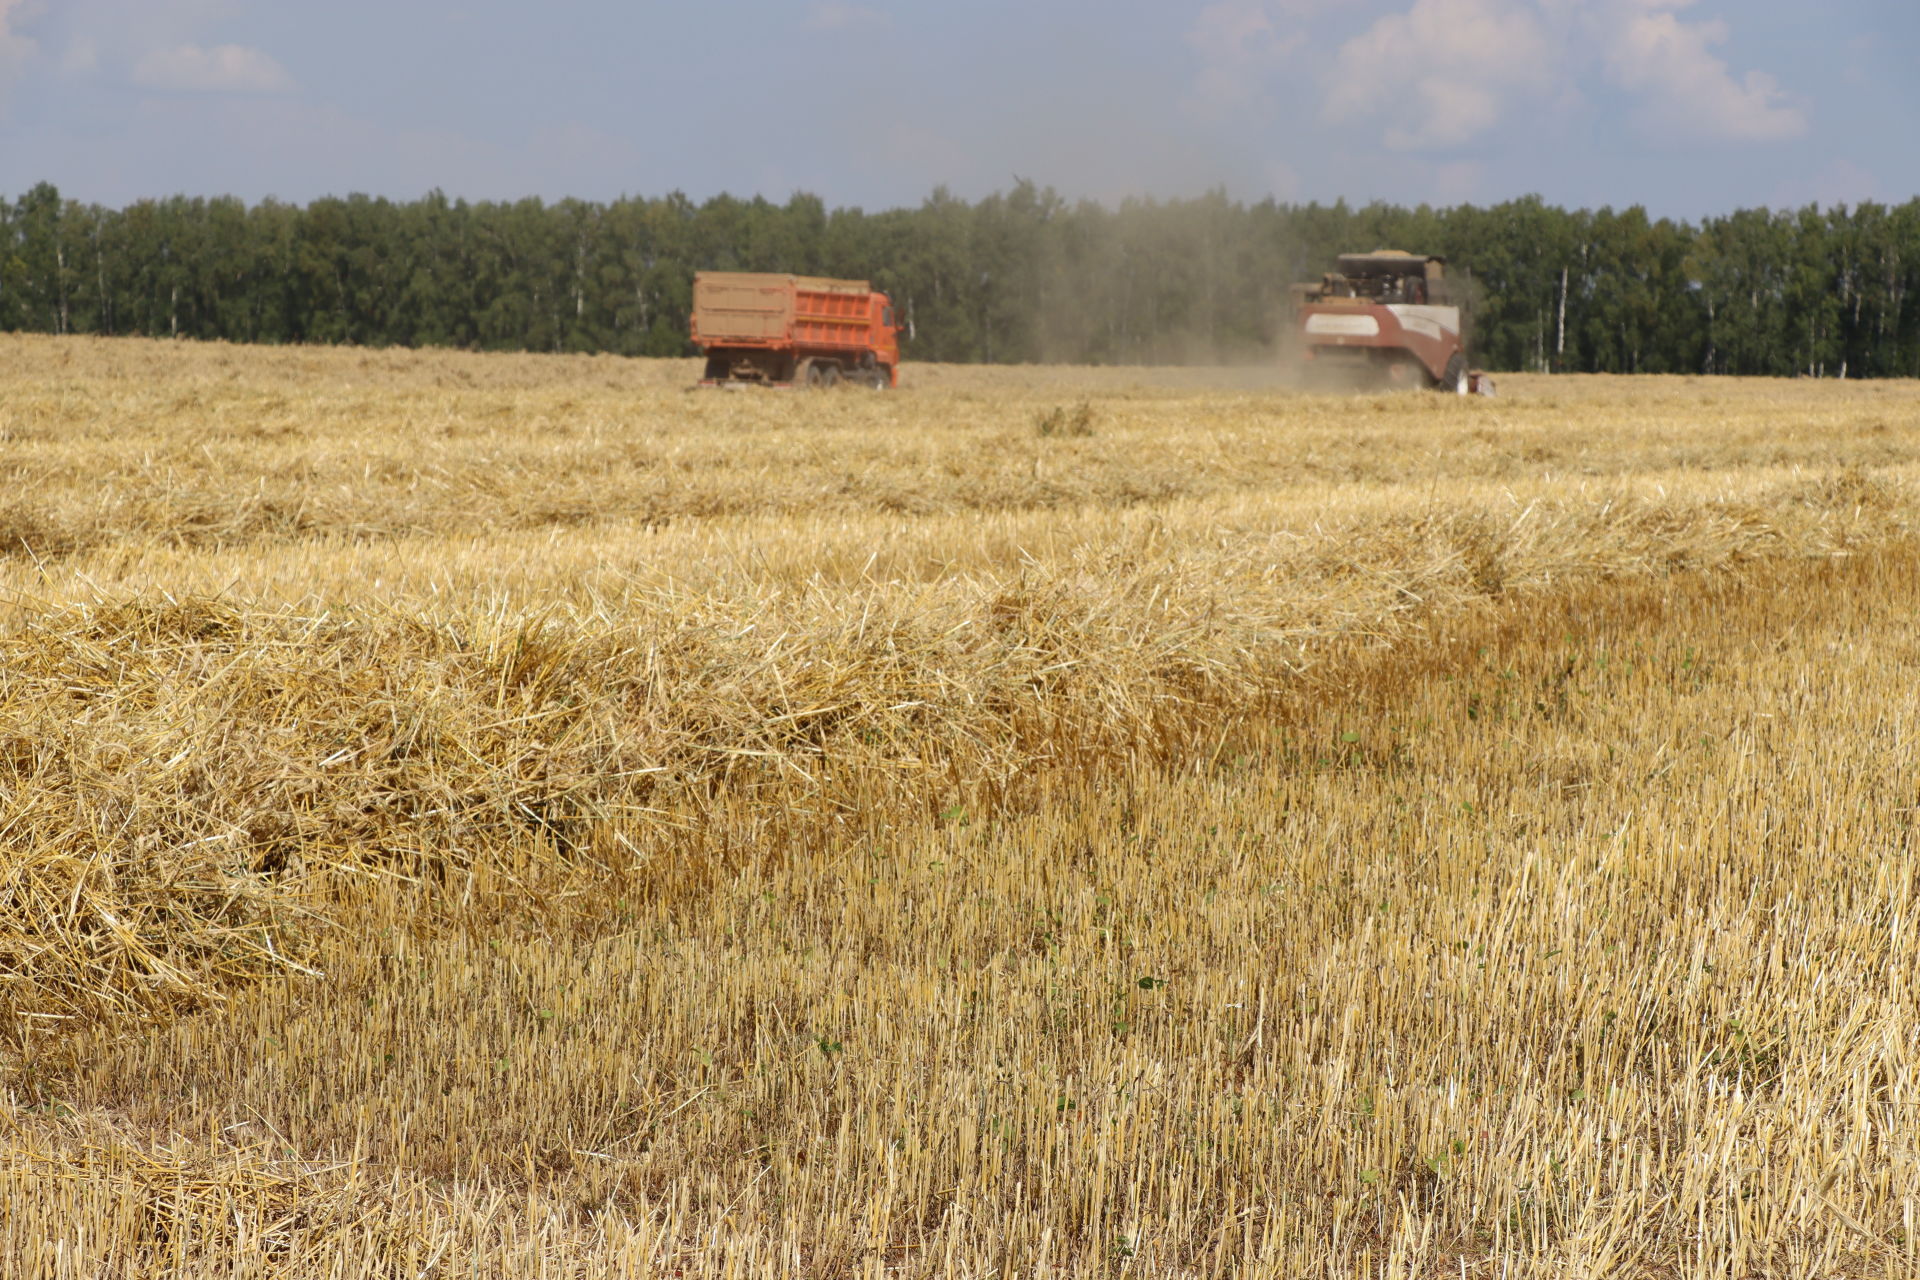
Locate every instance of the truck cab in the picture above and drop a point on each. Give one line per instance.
(884, 336)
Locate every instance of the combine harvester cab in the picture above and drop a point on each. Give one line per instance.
(1385, 319)
(770, 330)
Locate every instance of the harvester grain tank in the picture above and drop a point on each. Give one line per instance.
(1385, 318)
(776, 330)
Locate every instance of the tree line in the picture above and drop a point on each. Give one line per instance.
(1021, 275)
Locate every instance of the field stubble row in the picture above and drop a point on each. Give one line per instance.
(106, 445)
(728, 864)
(1575, 945)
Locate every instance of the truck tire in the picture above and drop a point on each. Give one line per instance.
(805, 375)
(1455, 378)
(828, 375)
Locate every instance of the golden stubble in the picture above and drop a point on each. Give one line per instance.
(473, 815)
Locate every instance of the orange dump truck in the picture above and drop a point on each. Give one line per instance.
(793, 331)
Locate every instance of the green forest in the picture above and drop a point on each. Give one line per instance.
(1019, 276)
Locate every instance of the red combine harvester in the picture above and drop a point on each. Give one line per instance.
(1386, 318)
(759, 329)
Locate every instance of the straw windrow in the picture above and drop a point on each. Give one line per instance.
(815, 833)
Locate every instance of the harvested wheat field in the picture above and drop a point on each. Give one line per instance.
(510, 816)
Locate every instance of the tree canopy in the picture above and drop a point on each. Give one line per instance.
(1021, 275)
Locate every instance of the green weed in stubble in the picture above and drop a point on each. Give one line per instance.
(1065, 422)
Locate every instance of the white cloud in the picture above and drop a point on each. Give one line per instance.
(1685, 88)
(15, 48)
(836, 16)
(1442, 73)
(1239, 44)
(225, 68)
(1243, 31)
(81, 57)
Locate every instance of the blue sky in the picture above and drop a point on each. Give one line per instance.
(1690, 107)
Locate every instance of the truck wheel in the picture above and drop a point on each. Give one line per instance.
(877, 379)
(1455, 378)
(804, 374)
(828, 375)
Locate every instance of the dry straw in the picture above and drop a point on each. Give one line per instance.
(184, 776)
(600, 822)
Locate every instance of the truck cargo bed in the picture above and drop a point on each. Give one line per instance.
(768, 328)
